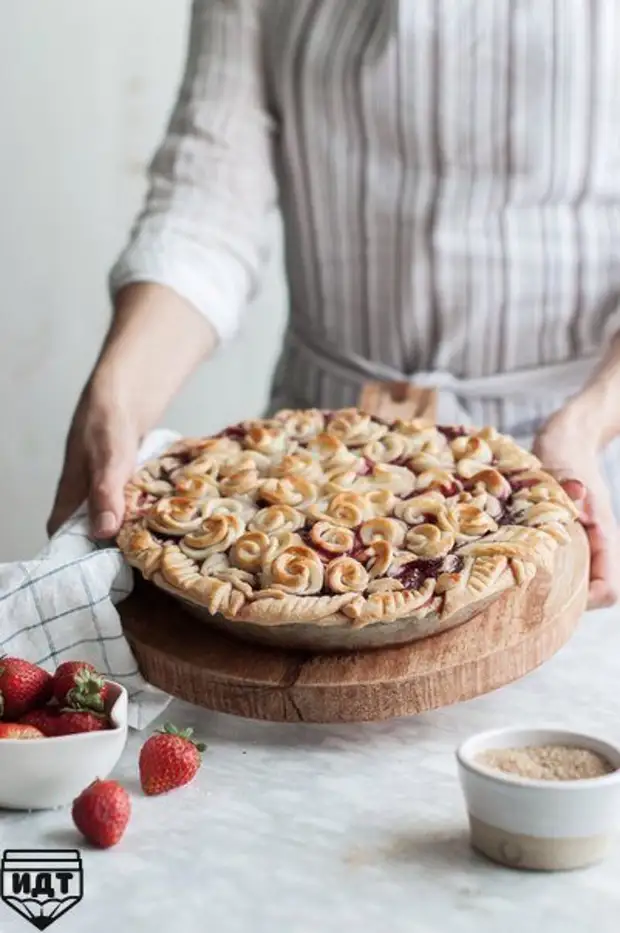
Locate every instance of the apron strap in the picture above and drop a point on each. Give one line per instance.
(561, 378)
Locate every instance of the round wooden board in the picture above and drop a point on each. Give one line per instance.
(516, 634)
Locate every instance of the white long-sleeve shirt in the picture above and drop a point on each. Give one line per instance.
(448, 173)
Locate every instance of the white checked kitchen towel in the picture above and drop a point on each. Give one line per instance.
(62, 606)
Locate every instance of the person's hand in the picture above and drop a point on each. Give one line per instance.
(155, 341)
(568, 446)
(100, 457)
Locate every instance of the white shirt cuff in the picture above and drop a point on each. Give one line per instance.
(212, 280)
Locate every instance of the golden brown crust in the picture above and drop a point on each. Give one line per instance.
(340, 519)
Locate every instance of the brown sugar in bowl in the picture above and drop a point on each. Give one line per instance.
(542, 799)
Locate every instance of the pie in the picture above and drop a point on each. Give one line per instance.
(339, 520)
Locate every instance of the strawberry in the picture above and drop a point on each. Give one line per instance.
(73, 721)
(65, 678)
(23, 686)
(72, 667)
(101, 812)
(168, 759)
(18, 730)
(46, 720)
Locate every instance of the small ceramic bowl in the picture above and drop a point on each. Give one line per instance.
(41, 774)
(539, 824)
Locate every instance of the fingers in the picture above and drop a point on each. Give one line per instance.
(600, 596)
(573, 488)
(111, 465)
(595, 514)
(599, 524)
(602, 535)
(601, 593)
(576, 491)
(106, 503)
(100, 456)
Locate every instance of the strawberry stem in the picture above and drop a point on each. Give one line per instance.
(169, 729)
(88, 691)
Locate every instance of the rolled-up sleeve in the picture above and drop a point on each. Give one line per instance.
(203, 230)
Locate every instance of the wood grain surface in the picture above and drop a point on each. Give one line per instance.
(516, 634)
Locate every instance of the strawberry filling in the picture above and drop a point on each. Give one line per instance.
(365, 467)
(413, 574)
(144, 503)
(451, 432)
(524, 483)
(452, 490)
(235, 432)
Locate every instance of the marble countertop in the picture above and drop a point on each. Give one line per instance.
(314, 829)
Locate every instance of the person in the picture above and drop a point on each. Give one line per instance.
(449, 180)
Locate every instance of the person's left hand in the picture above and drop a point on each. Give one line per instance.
(568, 447)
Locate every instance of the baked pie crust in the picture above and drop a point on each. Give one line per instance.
(337, 529)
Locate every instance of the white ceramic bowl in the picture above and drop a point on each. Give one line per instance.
(536, 824)
(40, 774)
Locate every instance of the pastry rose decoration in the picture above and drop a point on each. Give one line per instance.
(355, 428)
(331, 452)
(153, 484)
(471, 448)
(301, 425)
(412, 511)
(281, 541)
(345, 508)
(228, 505)
(490, 481)
(383, 529)
(249, 550)
(277, 518)
(378, 558)
(239, 479)
(176, 515)
(295, 491)
(216, 450)
(206, 465)
(508, 458)
(346, 575)
(333, 539)
(430, 541)
(269, 438)
(297, 570)
(339, 479)
(436, 459)
(381, 501)
(217, 533)
(439, 479)
(196, 486)
(388, 448)
(301, 463)
(395, 479)
(468, 521)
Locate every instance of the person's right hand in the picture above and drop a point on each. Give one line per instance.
(100, 456)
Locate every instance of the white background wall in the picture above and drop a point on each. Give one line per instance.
(85, 91)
